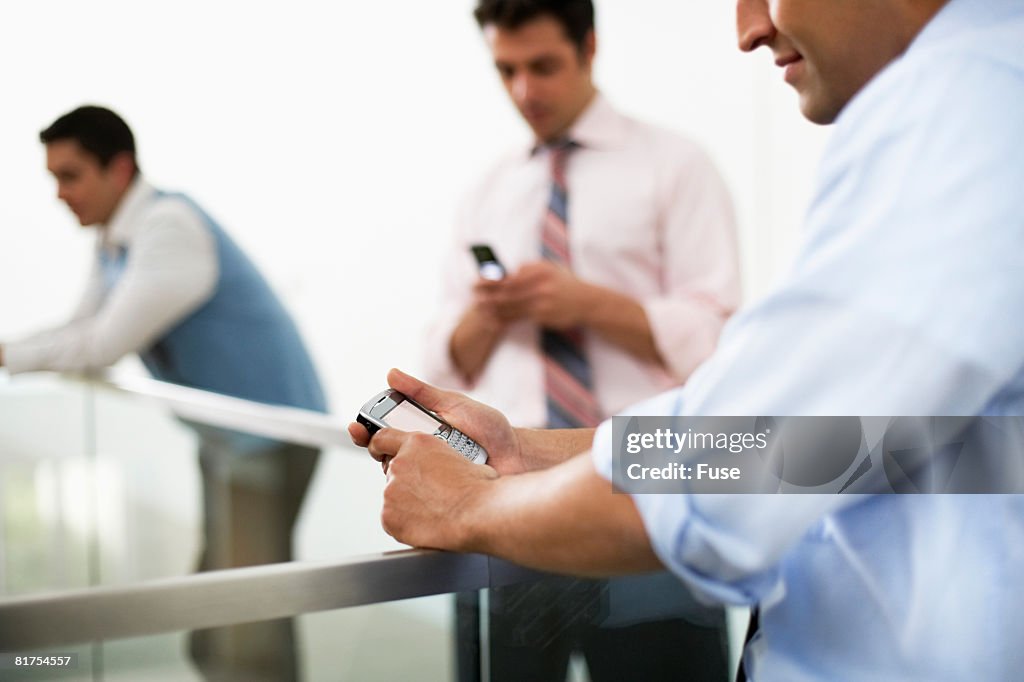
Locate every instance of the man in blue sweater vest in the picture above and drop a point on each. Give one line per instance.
(169, 284)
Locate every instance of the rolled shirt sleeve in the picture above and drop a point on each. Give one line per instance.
(727, 547)
(701, 283)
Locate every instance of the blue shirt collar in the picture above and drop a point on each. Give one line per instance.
(958, 16)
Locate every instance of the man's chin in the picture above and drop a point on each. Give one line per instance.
(818, 112)
(539, 132)
(547, 133)
(541, 127)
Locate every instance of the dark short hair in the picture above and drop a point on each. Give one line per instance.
(98, 130)
(575, 16)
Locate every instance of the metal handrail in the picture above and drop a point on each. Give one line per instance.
(243, 595)
(291, 424)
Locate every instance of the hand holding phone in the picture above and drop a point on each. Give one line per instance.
(393, 409)
(488, 264)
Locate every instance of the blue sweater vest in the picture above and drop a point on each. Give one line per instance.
(241, 342)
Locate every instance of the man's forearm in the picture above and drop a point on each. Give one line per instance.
(566, 519)
(621, 320)
(473, 341)
(543, 448)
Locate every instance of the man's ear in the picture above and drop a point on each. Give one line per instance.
(589, 48)
(123, 168)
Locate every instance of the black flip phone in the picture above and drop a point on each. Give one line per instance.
(488, 264)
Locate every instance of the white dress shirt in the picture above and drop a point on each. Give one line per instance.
(649, 217)
(170, 271)
(903, 301)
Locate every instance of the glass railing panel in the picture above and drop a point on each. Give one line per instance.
(46, 496)
(100, 487)
(405, 640)
(152, 519)
(148, 520)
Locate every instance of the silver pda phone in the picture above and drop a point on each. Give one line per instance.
(393, 409)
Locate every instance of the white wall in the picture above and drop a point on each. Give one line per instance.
(334, 141)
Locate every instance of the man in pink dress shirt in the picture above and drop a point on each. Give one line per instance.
(653, 278)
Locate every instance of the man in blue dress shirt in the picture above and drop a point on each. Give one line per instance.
(903, 301)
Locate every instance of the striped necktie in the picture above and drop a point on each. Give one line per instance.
(567, 379)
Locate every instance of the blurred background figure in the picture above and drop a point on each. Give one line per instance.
(620, 244)
(169, 284)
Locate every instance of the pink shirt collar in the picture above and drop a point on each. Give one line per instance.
(598, 127)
